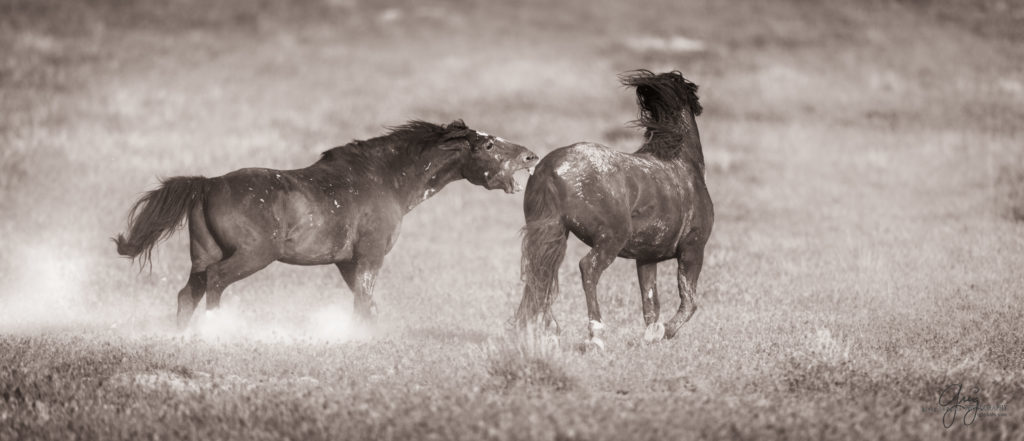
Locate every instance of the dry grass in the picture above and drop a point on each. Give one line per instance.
(864, 161)
(530, 360)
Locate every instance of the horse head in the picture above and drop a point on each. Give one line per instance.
(489, 161)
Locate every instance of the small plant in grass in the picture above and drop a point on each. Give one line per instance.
(829, 349)
(823, 364)
(528, 359)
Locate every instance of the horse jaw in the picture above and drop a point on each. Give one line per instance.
(513, 180)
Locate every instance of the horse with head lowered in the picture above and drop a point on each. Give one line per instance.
(346, 209)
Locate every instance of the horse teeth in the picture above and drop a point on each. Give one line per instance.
(530, 170)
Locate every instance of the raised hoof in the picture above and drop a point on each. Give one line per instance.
(672, 330)
(677, 322)
(654, 332)
(593, 343)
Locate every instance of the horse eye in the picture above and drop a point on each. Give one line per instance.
(489, 145)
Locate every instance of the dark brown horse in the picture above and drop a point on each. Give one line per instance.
(346, 209)
(651, 206)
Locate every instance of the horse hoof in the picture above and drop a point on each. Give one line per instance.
(594, 343)
(654, 332)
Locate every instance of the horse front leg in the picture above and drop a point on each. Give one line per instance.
(690, 263)
(647, 273)
(361, 277)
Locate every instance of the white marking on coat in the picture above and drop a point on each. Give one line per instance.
(563, 169)
(650, 293)
(367, 282)
(601, 158)
(596, 325)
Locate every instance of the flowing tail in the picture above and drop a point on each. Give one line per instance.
(157, 214)
(544, 243)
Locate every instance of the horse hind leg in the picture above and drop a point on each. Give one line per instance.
(690, 263)
(189, 297)
(240, 265)
(204, 252)
(601, 255)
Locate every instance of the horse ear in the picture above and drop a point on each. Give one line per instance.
(455, 136)
(456, 130)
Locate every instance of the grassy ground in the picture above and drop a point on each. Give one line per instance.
(865, 161)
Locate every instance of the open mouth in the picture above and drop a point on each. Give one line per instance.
(516, 181)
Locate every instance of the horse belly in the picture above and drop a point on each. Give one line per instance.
(310, 233)
(656, 221)
(316, 246)
(652, 239)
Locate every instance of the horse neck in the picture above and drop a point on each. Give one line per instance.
(691, 141)
(683, 142)
(419, 178)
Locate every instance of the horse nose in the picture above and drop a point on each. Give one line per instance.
(529, 157)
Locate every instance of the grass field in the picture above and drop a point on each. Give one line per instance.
(866, 160)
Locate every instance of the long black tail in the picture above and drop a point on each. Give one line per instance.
(157, 214)
(668, 105)
(544, 243)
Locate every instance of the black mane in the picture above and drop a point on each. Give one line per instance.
(409, 140)
(662, 97)
(663, 100)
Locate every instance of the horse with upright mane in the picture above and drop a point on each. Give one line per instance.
(346, 209)
(651, 205)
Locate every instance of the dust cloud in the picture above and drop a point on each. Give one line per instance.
(49, 287)
(43, 290)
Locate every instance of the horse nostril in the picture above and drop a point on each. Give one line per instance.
(530, 157)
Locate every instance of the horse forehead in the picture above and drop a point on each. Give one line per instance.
(487, 135)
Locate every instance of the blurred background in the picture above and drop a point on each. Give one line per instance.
(853, 147)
